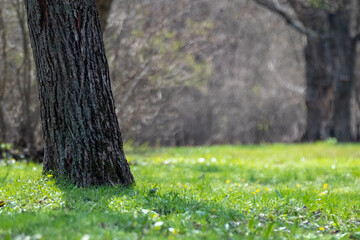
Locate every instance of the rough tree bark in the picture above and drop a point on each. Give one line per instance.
(81, 131)
(330, 59)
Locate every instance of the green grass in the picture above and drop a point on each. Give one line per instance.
(220, 192)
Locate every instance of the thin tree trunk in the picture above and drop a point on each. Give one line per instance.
(81, 131)
(3, 80)
(26, 129)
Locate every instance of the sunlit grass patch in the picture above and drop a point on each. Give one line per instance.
(308, 191)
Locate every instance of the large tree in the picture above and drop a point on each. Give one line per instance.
(81, 131)
(331, 30)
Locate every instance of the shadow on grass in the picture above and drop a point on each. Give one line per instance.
(106, 212)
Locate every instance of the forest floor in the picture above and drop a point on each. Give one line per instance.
(304, 191)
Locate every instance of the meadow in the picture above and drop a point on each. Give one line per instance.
(300, 191)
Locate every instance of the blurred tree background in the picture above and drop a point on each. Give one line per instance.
(202, 72)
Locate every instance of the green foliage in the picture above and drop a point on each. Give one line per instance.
(173, 58)
(318, 3)
(3, 148)
(329, 5)
(308, 191)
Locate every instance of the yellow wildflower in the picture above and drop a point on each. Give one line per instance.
(173, 230)
(321, 229)
(228, 181)
(243, 180)
(266, 189)
(325, 185)
(257, 190)
(185, 186)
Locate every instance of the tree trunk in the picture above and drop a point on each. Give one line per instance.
(81, 131)
(3, 78)
(26, 126)
(345, 62)
(329, 77)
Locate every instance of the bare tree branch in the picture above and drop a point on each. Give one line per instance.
(282, 82)
(274, 7)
